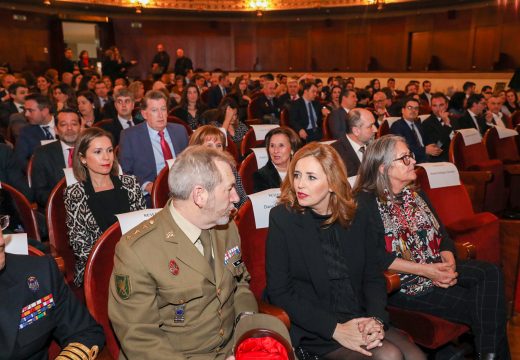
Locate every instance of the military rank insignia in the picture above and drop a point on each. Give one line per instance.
(123, 287)
(36, 310)
(179, 313)
(230, 253)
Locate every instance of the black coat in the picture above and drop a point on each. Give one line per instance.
(47, 171)
(434, 132)
(68, 321)
(298, 281)
(338, 123)
(348, 155)
(466, 122)
(266, 178)
(299, 117)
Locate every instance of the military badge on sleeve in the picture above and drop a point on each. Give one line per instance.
(123, 287)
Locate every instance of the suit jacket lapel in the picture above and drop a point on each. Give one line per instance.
(146, 151)
(57, 160)
(185, 249)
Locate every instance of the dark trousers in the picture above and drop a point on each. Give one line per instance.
(476, 300)
(313, 135)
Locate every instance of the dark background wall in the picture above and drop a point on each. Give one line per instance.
(481, 39)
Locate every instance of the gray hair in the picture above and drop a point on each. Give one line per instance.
(370, 179)
(196, 166)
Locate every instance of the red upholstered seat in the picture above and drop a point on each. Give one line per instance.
(325, 126)
(475, 157)
(247, 168)
(284, 117)
(175, 120)
(384, 129)
(453, 206)
(98, 272)
(25, 212)
(263, 344)
(232, 148)
(248, 142)
(160, 190)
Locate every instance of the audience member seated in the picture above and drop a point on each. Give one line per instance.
(352, 146)
(426, 95)
(64, 97)
(87, 108)
(6, 80)
(106, 103)
(379, 104)
(124, 103)
(437, 128)
(240, 94)
(265, 107)
(191, 107)
(50, 160)
(99, 195)
(43, 86)
(37, 307)
(285, 100)
(410, 127)
(338, 118)
(14, 105)
(219, 91)
(281, 144)
(473, 117)
(457, 104)
(334, 98)
(337, 310)
(421, 251)
(38, 111)
(494, 116)
(511, 104)
(226, 117)
(145, 148)
(305, 114)
(210, 136)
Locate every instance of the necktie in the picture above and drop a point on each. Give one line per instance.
(293, 97)
(22, 109)
(167, 153)
(362, 149)
(48, 134)
(205, 240)
(311, 116)
(419, 142)
(71, 153)
(130, 123)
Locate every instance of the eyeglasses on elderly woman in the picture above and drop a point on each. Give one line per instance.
(406, 158)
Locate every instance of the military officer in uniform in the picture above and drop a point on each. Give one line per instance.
(36, 306)
(179, 284)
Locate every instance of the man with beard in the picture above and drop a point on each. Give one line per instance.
(49, 160)
(179, 283)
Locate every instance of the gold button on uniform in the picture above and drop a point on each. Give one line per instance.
(219, 291)
(221, 332)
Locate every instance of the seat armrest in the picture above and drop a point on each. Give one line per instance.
(393, 281)
(59, 260)
(465, 250)
(475, 184)
(269, 309)
(512, 169)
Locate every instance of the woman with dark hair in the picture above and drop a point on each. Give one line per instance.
(86, 66)
(191, 107)
(100, 193)
(239, 93)
(226, 117)
(511, 104)
(64, 97)
(87, 108)
(44, 84)
(457, 103)
(178, 86)
(212, 137)
(413, 242)
(88, 82)
(321, 266)
(375, 84)
(281, 144)
(335, 102)
(76, 80)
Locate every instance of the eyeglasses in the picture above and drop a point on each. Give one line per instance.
(406, 158)
(4, 221)
(414, 108)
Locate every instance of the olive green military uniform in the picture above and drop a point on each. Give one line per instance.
(165, 301)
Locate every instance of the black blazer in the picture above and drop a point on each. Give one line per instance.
(298, 282)
(214, 97)
(401, 128)
(6, 109)
(47, 171)
(299, 118)
(466, 122)
(114, 127)
(29, 139)
(266, 178)
(434, 131)
(11, 172)
(261, 107)
(67, 322)
(368, 202)
(348, 155)
(338, 123)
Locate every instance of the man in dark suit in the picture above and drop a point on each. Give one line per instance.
(68, 65)
(351, 147)
(145, 148)
(379, 104)
(39, 115)
(6, 80)
(217, 92)
(17, 93)
(291, 95)
(437, 128)
(410, 128)
(473, 117)
(338, 117)
(426, 96)
(104, 99)
(160, 62)
(305, 116)
(50, 160)
(124, 105)
(11, 171)
(266, 106)
(494, 116)
(182, 64)
(36, 307)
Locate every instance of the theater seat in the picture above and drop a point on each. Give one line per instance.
(247, 168)
(384, 129)
(98, 272)
(263, 344)
(160, 190)
(325, 127)
(232, 148)
(454, 208)
(248, 142)
(25, 212)
(284, 118)
(175, 120)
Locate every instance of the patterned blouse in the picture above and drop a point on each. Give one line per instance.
(412, 232)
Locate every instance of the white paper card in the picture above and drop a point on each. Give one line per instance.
(441, 174)
(261, 157)
(263, 202)
(352, 180)
(16, 244)
(391, 120)
(470, 136)
(262, 130)
(45, 142)
(70, 179)
(129, 220)
(505, 132)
